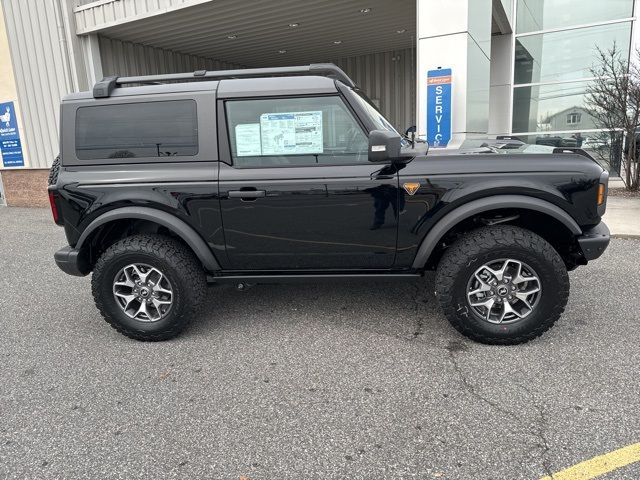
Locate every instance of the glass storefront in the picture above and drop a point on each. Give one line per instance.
(537, 15)
(604, 147)
(555, 49)
(555, 107)
(565, 55)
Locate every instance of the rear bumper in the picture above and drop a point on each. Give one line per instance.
(594, 241)
(70, 261)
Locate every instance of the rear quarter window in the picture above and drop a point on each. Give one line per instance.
(137, 130)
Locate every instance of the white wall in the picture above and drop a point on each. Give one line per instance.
(41, 65)
(456, 34)
(500, 81)
(48, 63)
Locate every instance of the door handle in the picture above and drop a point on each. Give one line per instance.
(247, 194)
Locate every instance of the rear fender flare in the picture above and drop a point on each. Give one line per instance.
(450, 220)
(173, 223)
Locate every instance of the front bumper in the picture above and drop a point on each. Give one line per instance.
(71, 261)
(594, 241)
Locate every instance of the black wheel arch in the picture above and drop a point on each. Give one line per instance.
(173, 224)
(429, 245)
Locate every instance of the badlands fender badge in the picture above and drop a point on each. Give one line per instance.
(411, 187)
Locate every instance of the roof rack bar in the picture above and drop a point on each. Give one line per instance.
(106, 86)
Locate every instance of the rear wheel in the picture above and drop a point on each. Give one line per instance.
(148, 287)
(502, 285)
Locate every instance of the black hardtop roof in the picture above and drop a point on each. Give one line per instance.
(106, 86)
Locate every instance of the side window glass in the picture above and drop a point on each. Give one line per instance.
(130, 130)
(294, 131)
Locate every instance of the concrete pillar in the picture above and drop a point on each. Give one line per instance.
(501, 70)
(501, 73)
(456, 34)
(92, 58)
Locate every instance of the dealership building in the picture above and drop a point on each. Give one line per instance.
(454, 69)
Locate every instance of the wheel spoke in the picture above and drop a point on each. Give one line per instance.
(128, 298)
(485, 302)
(494, 273)
(524, 298)
(489, 307)
(506, 310)
(141, 276)
(518, 270)
(524, 279)
(158, 289)
(484, 287)
(153, 306)
(157, 277)
(157, 303)
(527, 292)
(499, 274)
(524, 295)
(142, 310)
(128, 281)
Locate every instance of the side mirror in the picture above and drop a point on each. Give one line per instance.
(384, 145)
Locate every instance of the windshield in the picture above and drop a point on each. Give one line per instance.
(380, 122)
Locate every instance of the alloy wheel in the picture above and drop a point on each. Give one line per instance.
(504, 291)
(143, 292)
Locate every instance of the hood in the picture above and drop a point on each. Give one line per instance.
(445, 163)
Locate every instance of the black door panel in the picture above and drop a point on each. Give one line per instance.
(317, 217)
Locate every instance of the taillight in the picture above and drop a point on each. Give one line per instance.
(54, 208)
(601, 193)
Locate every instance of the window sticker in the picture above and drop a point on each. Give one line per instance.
(291, 133)
(248, 140)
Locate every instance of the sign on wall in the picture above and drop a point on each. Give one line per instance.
(439, 107)
(10, 145)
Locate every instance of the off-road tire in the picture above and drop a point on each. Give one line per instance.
(54, 171)
(177, 263)
(478, 247)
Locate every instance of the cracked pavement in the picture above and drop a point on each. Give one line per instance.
(333, 380)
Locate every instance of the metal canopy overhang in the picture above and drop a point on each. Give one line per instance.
(262, 31)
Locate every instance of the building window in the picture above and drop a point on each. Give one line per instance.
(137, 130)
(543, 108)
(565, 55)
(555, 49)
(536, 15)
(573, 118)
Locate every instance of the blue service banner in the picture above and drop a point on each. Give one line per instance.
(10, 145)
(439, 107)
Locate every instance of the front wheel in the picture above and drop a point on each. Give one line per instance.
(502, 285)
(148, 287)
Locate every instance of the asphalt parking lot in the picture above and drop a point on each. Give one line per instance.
(307, 381)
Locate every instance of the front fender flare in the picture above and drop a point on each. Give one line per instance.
(493, 202)
(173, 223)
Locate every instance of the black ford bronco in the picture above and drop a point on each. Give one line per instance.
(287, 174)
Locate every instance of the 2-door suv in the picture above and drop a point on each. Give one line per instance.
(291, 173)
